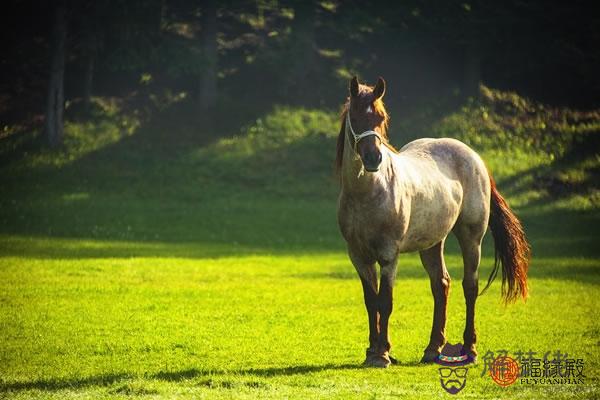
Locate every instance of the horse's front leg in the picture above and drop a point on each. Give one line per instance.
(433, 261)
(385, 306)
(370, 294)
(368, 277)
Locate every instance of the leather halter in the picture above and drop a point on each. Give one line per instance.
(358, 138)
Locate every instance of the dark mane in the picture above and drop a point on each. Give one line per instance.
(379, 108)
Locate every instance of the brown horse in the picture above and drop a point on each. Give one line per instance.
(393, 202)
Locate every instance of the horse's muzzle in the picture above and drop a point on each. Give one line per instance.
(372, 161)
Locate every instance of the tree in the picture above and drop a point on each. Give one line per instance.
(207, 94)
(92, 13)
(90, 51)
(302, 48)
(56, 96)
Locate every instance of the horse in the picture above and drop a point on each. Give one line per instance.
(397, 201)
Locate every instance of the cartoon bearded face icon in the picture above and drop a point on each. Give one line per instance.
(453, 380)
(453, 374)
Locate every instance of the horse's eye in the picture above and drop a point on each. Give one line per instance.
(369, 109)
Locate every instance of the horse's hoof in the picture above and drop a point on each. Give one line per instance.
(429, 356)
(378, 361)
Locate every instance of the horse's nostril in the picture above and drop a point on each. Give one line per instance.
(372, 159)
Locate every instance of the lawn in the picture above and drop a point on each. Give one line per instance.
(217, 271)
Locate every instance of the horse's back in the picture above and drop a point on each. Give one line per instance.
(458, 162)
(442, 148)
(451, 155)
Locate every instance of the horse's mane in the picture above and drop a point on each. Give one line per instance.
(379, 108)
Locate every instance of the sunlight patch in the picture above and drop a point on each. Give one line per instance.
(77, 196)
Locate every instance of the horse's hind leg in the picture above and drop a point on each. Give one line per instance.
(433, 261)
(470, 237)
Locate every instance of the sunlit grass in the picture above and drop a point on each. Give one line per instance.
(277, 326)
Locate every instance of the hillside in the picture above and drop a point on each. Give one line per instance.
(133, 264)
(275, 174)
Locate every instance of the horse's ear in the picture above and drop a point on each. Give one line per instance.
(354, 86)
(379, 90)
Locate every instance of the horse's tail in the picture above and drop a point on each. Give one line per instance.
(512, 250)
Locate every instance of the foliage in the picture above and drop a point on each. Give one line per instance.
(540, 151)
(505, 119)
(107, 125)
(420, 47)
(288, 149)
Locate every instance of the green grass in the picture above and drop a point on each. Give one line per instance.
(132, 267)
(262, 325)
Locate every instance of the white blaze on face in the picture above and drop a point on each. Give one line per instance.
(369, 109)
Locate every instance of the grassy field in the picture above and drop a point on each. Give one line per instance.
(132, 266)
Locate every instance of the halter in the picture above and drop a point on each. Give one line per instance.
(358, 138)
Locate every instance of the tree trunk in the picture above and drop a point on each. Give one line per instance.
(303, 48)
(207, 94)
(56, 96)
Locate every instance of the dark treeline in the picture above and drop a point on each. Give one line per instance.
(251, 53)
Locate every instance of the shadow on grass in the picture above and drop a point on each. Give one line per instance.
(258, 372)
(151, 196)
(164, 196)
(62, 384)
(170, 376)
(279, 226)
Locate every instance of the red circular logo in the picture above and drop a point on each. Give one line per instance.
(504, 371)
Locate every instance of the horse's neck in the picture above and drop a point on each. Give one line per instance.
(357, 180)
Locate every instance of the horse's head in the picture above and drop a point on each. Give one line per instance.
(366, 122)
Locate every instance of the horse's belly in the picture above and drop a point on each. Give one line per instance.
(418, 240)
(410, 222)
(429, 223)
